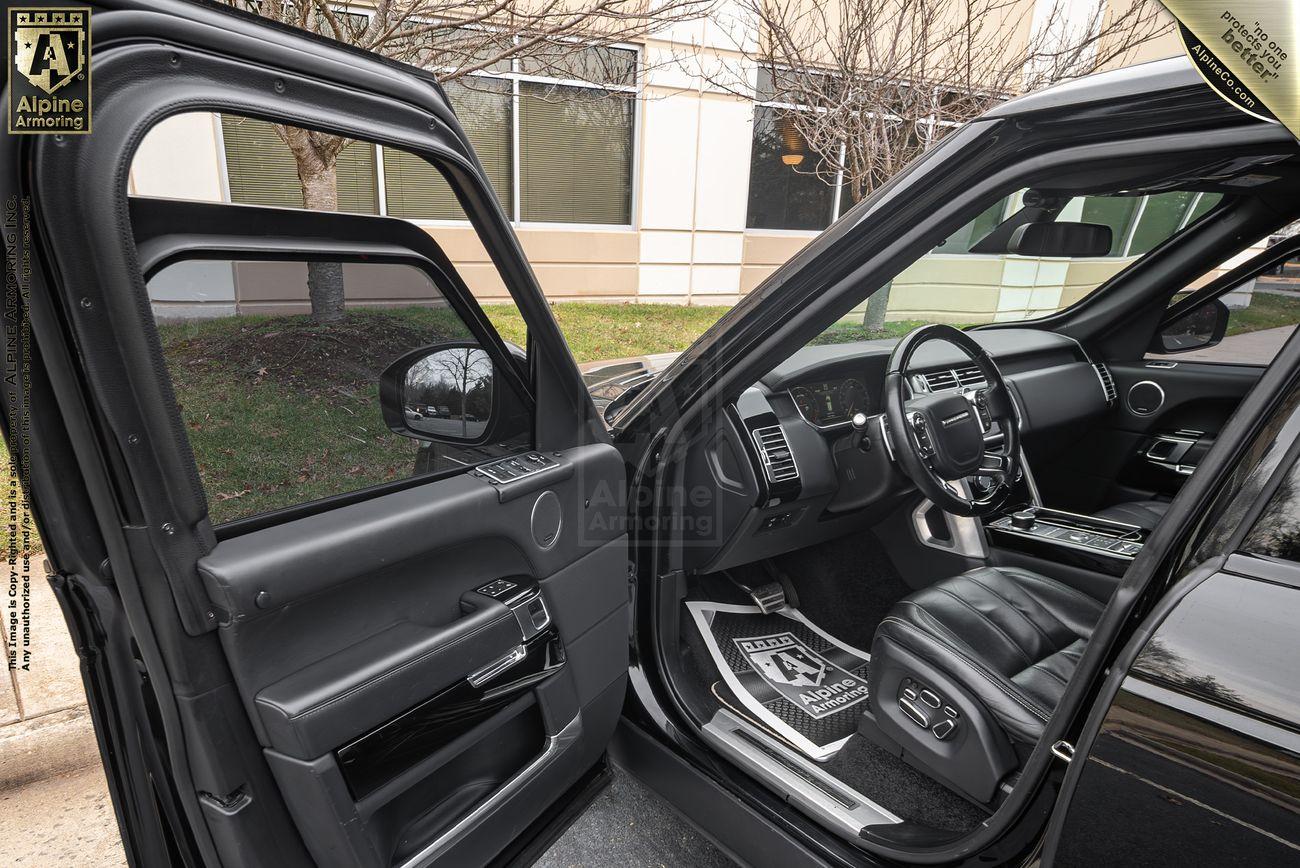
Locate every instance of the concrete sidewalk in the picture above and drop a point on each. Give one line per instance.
(1251, 348)
(45, 729)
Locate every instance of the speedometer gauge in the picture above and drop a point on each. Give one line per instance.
(806, 401)
(852, 398)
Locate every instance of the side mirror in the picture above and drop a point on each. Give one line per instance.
(447, 392)
(1203, 326)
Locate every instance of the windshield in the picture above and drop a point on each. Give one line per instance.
(973, 276)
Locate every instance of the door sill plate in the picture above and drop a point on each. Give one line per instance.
(800, 780)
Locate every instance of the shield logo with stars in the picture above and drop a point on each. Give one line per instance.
(50, 48)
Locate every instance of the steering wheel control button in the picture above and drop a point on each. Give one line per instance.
(930, 698)
(943, 729)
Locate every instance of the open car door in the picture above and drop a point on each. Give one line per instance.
(411, 653)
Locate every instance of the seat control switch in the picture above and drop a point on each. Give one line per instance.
(913, 711)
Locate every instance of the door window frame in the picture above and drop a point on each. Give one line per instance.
(308, 239)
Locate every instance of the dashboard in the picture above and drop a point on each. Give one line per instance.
(786, 469)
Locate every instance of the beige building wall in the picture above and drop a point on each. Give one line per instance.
(687, 242)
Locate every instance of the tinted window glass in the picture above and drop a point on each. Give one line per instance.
(281, 409)
(1277, 533)
(960, 283)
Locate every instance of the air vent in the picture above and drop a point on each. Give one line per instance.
(774, 452)
(937, 381)
(969, 376)
(1107, 381)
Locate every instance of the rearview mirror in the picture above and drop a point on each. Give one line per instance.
(1203, 326)
(1060, 239)
(445, 392)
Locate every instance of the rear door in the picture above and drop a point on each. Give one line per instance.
(350, 590)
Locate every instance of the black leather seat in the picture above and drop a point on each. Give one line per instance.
(994, 647)
(1143, 513)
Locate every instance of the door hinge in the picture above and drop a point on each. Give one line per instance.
(1063, 750)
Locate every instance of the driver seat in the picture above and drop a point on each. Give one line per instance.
(966, 673)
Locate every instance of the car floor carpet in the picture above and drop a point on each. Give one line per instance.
(906, 791)
(845, 586)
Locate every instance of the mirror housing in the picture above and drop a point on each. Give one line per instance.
(1202, 326)
(450, 392)
(1051, 238)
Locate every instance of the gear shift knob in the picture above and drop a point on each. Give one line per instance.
(1022, 520)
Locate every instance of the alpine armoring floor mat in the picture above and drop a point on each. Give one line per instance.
(795, 679)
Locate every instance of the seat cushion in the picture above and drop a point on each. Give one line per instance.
(1145, 514)
(1012, 637)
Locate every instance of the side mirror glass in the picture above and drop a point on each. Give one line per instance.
(1201, 327)
(445, 392)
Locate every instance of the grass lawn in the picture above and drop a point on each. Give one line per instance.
(847, 332)
(597, 331)
(1267, 311)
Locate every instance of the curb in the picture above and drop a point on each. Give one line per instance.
(47, 746)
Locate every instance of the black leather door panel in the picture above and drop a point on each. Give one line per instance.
(337, 625)
(1106, 462)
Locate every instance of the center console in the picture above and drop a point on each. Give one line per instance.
(1064, 537)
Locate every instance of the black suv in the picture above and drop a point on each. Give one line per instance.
(1014, 592)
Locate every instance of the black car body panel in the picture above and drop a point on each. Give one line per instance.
(1194, 744)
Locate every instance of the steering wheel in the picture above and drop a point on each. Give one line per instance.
(939, 438)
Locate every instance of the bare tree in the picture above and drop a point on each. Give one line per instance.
(455, 38)
(868, 85)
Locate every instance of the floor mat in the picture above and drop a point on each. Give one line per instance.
(793, 677)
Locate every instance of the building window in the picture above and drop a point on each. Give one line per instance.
(261, 169)
(416, 190)
(793, 187)
(787, 189)
(575, 163)
(554, 135)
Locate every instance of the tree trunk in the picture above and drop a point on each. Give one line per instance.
(320, 192)
(877, 305)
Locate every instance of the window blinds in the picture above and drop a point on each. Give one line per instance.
(575, 162)
(416, 190)
(262, 170)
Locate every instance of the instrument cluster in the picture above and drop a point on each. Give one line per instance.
(831, 403)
